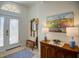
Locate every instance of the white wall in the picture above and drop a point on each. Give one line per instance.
(44, 9)
(41, 11)
(33, 13)
(23, 21)
(54, 8)
(24, 24)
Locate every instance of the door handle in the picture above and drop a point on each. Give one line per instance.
(6, 32)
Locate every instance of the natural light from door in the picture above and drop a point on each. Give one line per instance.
(13, 38)
(1, 31)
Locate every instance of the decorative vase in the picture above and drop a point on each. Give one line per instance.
(72, 42)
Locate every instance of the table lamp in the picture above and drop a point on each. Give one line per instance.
(45, 30)
(72, 35)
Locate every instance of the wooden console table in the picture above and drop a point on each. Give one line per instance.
(53, 51)
(30, 44)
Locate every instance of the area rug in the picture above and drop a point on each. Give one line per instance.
(21, 54)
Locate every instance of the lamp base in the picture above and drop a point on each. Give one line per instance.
(72, 43)
(45, 38)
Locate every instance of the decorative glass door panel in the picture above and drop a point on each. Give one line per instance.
(13, 38)
(9, 32)
(1, 31)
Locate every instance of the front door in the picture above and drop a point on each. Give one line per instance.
(9, 32)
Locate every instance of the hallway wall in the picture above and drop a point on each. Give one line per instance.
(54, 8)
(44, 9)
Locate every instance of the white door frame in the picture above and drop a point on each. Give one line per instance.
(7, 15)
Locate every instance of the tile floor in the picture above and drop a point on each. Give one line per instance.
(35, 52)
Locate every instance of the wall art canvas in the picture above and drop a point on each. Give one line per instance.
(58, 23)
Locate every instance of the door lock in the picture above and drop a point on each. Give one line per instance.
(6, 32)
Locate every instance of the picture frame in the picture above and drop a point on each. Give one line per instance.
(58, 23)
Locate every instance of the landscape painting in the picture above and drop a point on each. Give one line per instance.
(58, 23)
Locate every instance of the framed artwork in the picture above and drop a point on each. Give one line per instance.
(58, 23)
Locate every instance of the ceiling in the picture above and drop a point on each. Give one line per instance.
(27, 3)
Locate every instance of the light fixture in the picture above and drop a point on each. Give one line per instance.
(72, 35)
(45, 30)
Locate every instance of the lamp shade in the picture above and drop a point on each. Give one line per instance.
(72, 31)
(46, 30)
